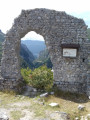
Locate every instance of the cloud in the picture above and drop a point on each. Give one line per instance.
(33, 36)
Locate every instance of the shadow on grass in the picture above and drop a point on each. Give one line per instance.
(75, 97)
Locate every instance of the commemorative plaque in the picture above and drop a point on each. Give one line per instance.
(70, 50)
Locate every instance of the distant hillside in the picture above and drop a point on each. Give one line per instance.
(43, 59)
(27, 56)
(88, 32)
(2, 36)
(34, 46)
(43, 55)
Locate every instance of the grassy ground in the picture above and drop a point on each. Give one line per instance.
(19, 106)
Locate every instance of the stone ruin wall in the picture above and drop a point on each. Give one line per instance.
(57, 28)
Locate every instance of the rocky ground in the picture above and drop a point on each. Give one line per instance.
(21, 107)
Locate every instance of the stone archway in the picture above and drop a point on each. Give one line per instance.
(59, 31)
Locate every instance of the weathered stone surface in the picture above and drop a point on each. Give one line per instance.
(88, 116)
(81, 107)
(3, 116)
(45, 119)
(76, 118)
(51, 93)
(59, 116)
(57, 28)
(44, 95)
(30, 91)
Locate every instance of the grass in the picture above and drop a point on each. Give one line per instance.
(67, 106)
(6, 98)
(68, 103)
(75, 97)
(16, 115)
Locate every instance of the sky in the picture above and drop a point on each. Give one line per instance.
(10, 9)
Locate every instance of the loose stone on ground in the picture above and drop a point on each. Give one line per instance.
(54, 104)
(44, 95)
(3, 116)
(81, 107)
(59, 116)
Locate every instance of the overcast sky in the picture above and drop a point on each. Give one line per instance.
(10, 9)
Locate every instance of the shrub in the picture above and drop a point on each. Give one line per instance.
(25, 74)
(40, 78)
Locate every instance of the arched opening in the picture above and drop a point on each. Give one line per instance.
(34, 52)
(35, 63)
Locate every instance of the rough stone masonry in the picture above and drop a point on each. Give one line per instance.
(66, 40)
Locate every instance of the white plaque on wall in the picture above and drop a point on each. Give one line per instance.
(69, 52)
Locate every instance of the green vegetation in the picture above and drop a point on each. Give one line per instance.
(2, 36)
(40, 78)
(23, 63)
(16, 114)
(43, 59)
(26, 57)
(18, 105)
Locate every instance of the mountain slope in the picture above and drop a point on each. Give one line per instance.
(27, 56)
(34, 46)
(2, 36)
(88, 32)
(43, 59)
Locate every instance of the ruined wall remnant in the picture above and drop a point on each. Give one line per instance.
(66, 40)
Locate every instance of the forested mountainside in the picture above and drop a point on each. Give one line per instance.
(2, 37)
(35, 46)
(43, 59)
(27, 56)
(88, 32)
